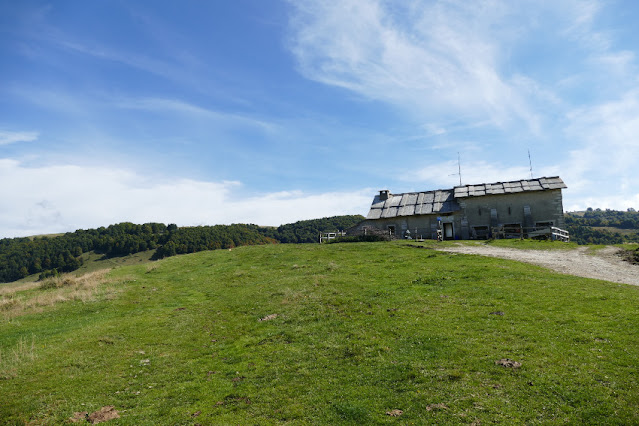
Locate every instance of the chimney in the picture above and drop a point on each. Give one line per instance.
(384, 194)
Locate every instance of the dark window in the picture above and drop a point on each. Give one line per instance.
(546, 224)
(480, 232)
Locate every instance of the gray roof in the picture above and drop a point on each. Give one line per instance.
(540, 184)
(445, 201)
(413, 203)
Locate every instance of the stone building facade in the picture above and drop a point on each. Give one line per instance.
(469, 211)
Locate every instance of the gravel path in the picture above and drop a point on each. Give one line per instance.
(604, 264)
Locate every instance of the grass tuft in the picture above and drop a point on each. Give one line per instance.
(23, 351)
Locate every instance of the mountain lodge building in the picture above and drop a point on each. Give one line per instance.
(520, 207)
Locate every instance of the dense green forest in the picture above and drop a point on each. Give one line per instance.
(200, 238)
(47, 256)
(307, 231)
(596, 226)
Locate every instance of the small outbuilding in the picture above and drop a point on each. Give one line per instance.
(516, 208)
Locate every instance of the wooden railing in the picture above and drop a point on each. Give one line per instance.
(545, 232)
(560, 234)
(499, 232)
(325, 236)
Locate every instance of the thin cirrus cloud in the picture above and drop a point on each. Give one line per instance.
(46, 35)
(137, 60)
(8, 137)
(164, 105)
(65, 102)
(59, 198)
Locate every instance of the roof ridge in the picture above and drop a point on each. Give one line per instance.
(509, 181)
(476, 184)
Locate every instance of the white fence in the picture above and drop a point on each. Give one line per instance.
(546, 232)
(325, 236)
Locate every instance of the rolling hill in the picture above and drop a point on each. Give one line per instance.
(358, 333)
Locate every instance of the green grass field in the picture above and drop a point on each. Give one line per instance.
(361, 333)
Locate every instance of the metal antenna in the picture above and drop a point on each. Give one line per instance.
(458, 170)
(530, 162)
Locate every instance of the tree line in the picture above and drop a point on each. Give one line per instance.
(307, 231)
(20, 257)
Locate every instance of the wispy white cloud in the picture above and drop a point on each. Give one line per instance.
(60, 198)
(137, 60)
(455, 59)
(52, 99)
(93, 106)
(609, 145)
(431, 58)
(579, 19)
(7, 137)
(41, 33)
(190, 109)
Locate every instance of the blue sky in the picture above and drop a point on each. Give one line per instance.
(269, 112)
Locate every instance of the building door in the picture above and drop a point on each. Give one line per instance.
(448, 231)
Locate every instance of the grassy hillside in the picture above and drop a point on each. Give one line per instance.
(49, 255)
(363, 333)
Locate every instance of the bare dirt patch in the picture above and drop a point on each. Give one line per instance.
(506, 362)
(605, 264)
(104, 414)
(269, 317)
(434, 407)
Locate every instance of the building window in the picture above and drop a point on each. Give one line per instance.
(391, 229)
(480, 232)
(509, 210)
(545, 224)
(512, 226)
(511, 230)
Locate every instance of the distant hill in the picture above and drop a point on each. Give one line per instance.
(51, 255)
(596, 226)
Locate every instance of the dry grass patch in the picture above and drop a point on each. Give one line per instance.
(9, 289)
(152, 267)
(23, 351)
(34, 297)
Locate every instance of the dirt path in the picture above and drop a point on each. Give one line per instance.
(604, 264)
